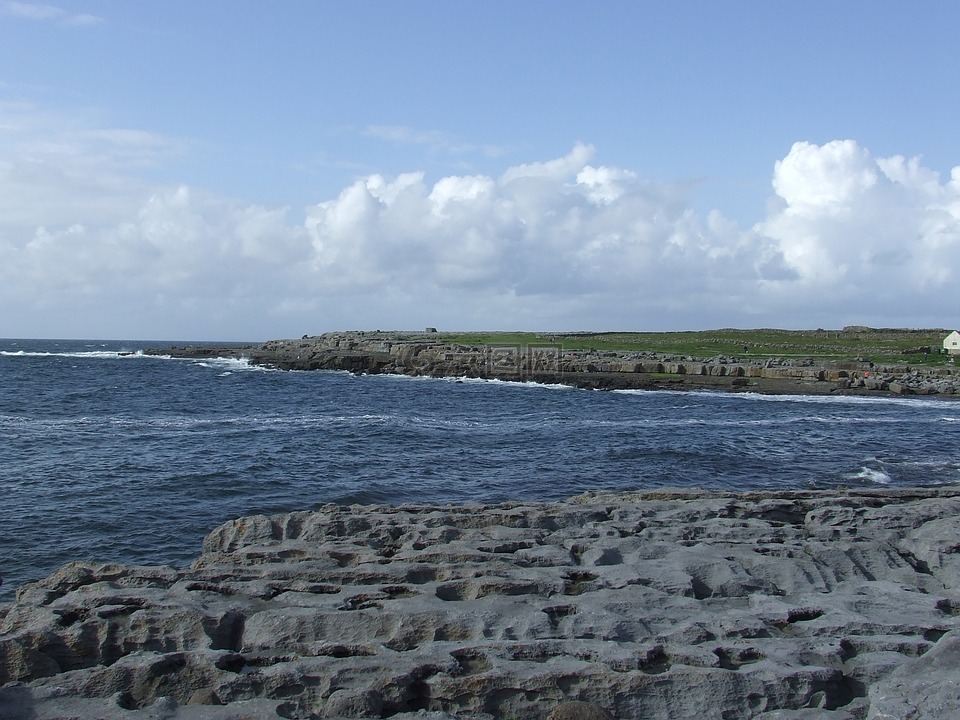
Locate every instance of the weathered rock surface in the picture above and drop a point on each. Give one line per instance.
(647, 605)
(418, 354)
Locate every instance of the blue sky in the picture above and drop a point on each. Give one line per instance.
(252, 170)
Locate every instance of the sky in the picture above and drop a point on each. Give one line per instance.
(240, 170)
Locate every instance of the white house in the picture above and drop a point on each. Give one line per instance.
(951, 343)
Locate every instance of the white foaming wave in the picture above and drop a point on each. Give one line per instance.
(446, 424)
(15, 424)
(830, 399)
(366, 418)
(372, 419)
(314, 421)
(231, 365)
(464, 380)
(91, 354)
(513, 383)
(900, 401)
(870, 474)
(941, 471)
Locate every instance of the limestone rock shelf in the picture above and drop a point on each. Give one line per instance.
(418, 354)
(644, 605)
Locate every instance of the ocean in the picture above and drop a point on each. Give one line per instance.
(107, 454)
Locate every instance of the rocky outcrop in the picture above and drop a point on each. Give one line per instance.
(639, 605)
(420, 354)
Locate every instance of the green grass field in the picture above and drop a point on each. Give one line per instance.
(894, 346)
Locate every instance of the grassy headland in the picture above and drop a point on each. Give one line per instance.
(880, 345)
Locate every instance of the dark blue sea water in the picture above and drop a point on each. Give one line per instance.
(106, 455)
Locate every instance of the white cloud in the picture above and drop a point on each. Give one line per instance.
(560, 244)
(559, 170)
(30, 11)
(43, 12)
(607, 185)
(404, 135)
(433, 141)
(830, 179)
(880, 235)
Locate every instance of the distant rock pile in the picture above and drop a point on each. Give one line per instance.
(647, 605)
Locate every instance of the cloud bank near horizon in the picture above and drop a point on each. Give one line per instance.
(87, 242)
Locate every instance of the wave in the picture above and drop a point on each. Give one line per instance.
(465, 380)
(892, 469)
(232, 365)
(16, 424)
(870, 475)
(84, 354)
(899, 401)
(510, 383)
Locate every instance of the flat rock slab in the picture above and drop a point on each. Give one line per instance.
(628, 605)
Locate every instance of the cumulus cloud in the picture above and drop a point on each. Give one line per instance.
(816, 180)
(561, 243)
(877, 235)
(540, 229)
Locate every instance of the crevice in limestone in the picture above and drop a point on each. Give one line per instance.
(456, 591)
(225, 632)
(506, 547)
(735, 658)
(165, 677)
(841, 691)
(286, 690)
(257, 660)
(700, 590)
(363, 601)
(501, 702)
(402, 644)
(471, 661)
(454, 632)
(803, 614)
(341, 651)
(398, 591)
(232, 662)
(415, 695)
(948, 607)
(343, 559)
(531, 652)
(202, 586)
(69, 617)
(421, 574)
(289, 711)
(655, 661)
(576, 554)
(786, 513)
(848, 650)
(556, 613)
(578, 582)
(913, 561)
(112, 611)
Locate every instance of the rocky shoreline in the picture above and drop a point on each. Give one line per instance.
(418, 354)
(840, 605)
